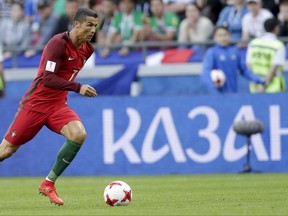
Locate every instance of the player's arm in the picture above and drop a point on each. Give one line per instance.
(208, 65)
(278, 61)
(55, 53)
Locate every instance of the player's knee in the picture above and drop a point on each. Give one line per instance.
(6, 152)
(79, 136)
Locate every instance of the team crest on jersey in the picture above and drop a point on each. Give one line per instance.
(222, 58)
(13, 134)
(50, 66)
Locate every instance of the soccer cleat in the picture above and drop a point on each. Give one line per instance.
(48, 189)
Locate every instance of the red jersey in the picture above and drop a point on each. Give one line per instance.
(59, 66)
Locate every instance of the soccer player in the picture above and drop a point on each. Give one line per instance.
(45, 102)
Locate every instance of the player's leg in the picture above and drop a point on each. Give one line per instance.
(7, 149)
(25, 126)
(75, 135)
(65, 122)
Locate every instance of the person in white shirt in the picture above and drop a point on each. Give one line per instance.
(195, 27)
(252, 23)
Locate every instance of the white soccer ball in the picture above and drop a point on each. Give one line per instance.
(117, 193)
(218, 77)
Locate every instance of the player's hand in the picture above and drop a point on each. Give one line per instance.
(88, 91)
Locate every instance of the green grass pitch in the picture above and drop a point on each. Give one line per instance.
(224, 194)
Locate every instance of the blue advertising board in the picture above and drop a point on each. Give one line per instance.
(160, 135)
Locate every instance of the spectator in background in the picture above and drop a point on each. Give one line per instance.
(231, 17)
(65, 22)
(253, 22)
(162, 26)
(127, 24)
(5, 7)
(210, 8)
(2, 80)
(283, 18)
(106, 15)
(15, 30)
(177, 6)
(225, 58)
(195, 27)
(143, 6)
(59, 7)
(272, 6)
(266, 58)
(42, 29)
(30, 10)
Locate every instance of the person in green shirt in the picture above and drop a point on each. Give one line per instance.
(161, 26)
(127, 24)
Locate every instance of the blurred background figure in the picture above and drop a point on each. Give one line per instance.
(143, 6)
(283, 18)
(42, 28)
(5, 7)
(177, 6)
(266, 58)
(253, 21)
(231, 17)
(127, 24)
(195, 27)
(15, 30)
(2, 80)
(30, 10)
(59, 7)
(161, 26)
(210, 8)
(108, 9)
(226, 58)
(65, 22)
(272, 6)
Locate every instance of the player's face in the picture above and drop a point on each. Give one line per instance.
(222, 37)
(87, 29)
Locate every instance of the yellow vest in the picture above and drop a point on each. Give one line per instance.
(262, 55)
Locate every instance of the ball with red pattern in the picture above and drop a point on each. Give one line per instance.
(117, 193)
(218, 77)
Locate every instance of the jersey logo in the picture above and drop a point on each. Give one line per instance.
(50, 66)
(13, 134)
(71, 58)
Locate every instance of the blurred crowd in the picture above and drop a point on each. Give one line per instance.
(28, 24)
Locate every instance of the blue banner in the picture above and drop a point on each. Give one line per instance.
(160, 135)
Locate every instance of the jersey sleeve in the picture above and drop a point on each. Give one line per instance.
(172, 22)
(54, 53)
(280, 56)
(138, 20)
(208, 65)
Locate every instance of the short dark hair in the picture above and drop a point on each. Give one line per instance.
(82, 13)
(270, 24)
(220, 27)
